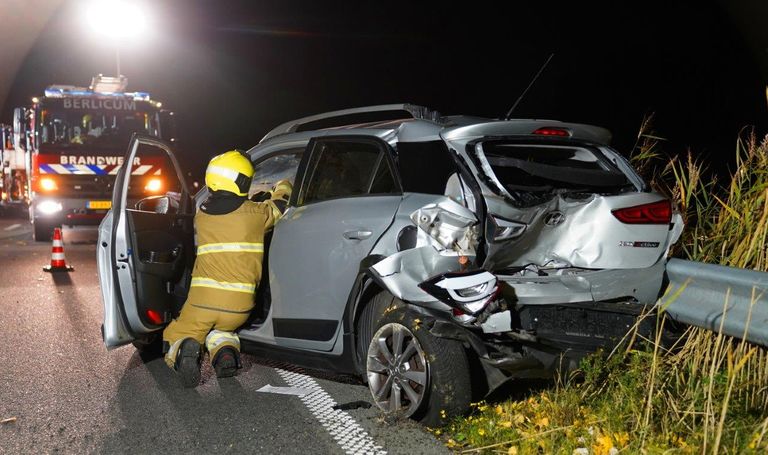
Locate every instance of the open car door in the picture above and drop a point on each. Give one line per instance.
(146, 246)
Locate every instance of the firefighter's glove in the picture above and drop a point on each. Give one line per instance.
(261, 196)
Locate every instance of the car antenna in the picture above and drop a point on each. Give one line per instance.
(533, 81)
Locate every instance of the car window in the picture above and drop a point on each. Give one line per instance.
(152, 173)
(340, 169)
(425, 167)
(275, 168)
(383, 181)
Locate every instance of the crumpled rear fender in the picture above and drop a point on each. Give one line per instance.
(446, 240)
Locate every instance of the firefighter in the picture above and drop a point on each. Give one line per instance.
(230, 247)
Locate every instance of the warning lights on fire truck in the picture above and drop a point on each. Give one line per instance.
(154, 185)
(48, 184)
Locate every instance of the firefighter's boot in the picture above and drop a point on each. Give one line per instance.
(224, 350)
(226, 362)
(187, 363)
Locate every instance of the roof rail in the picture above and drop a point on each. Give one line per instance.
(417, 112)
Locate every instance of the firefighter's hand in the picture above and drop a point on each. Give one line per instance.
(261, 196)
(284, 185)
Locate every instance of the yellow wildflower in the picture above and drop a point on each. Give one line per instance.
(499, 410)
(679, 441)
(506, 424)
(512, 450)
(603, 446)
(542, 422)
(481, 432)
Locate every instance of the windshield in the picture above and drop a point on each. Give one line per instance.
(103, 129)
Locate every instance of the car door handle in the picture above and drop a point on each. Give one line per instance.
(357, 235)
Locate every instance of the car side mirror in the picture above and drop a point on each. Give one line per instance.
(157, 204)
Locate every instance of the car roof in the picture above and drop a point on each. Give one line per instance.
(411, 123)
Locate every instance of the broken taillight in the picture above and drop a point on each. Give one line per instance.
(469, 292)
(653, 213)
(553, 131)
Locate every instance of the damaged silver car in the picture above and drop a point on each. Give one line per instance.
(435, 257)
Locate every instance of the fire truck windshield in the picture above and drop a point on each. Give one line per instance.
(102, 129)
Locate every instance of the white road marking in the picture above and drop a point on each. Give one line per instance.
(347, 433)
(12, 227)
(298, 391)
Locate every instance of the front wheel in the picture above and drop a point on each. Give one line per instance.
(411, 372)
(42, 232)
(150, 346)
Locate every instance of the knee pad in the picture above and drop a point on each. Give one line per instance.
(217, 339)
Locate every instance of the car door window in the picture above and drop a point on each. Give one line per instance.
(274, 168)
(340, 169)
(383, 180)
(152, 174)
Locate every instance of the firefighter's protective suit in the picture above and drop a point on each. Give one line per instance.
(230, 246)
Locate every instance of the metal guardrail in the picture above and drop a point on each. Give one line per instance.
(698, 293)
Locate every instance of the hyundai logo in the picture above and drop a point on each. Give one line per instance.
(554, 218)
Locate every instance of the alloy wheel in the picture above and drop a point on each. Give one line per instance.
(398, 371)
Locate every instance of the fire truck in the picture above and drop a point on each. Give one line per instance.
(72, 141)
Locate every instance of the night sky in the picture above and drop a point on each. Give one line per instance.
(232, 70)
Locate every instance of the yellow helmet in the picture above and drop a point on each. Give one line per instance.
(231, 171)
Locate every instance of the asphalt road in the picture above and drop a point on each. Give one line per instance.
(62, 391)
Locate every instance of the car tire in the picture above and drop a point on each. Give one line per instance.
(428, 380)
(42, 232)
(149, 347)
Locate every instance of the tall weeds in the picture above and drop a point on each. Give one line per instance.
(704, 393)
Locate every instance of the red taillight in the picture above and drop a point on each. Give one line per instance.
(553, 131)
(155, 317)
(653, 213)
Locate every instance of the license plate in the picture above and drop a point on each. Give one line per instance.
(99, 205)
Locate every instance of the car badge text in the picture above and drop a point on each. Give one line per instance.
(639, 244)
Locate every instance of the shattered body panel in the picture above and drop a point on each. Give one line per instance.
(445, 231)
(582, 285)
(586, 235)
(568, 249)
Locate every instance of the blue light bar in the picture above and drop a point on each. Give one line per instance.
(61, 92)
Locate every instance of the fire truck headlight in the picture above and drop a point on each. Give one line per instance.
(49, 207)
(48, 184)
(154, 185)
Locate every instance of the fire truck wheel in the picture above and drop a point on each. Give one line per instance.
(42, 231)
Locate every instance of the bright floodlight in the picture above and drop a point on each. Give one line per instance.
(116, 19)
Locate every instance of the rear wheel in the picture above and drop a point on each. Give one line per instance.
(410, 372)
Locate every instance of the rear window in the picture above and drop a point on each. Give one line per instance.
(538, 167)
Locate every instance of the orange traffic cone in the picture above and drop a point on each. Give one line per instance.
(58, 261)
